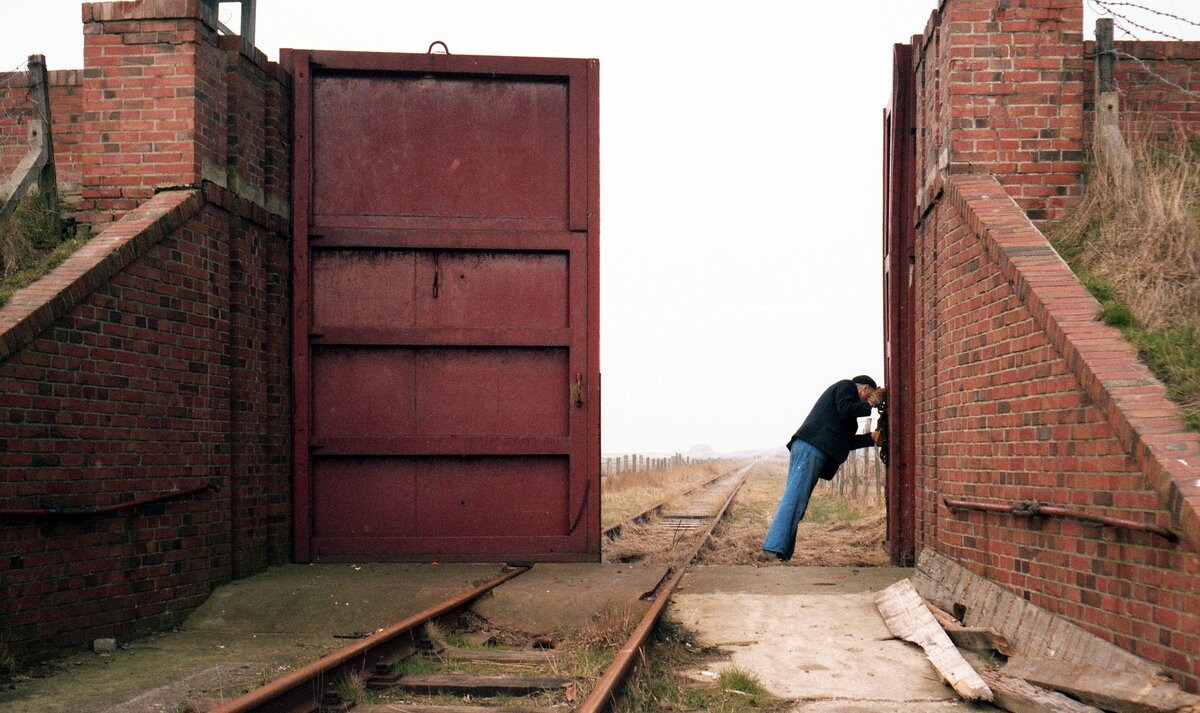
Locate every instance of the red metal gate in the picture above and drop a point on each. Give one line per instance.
(899, 199)
(446, 346)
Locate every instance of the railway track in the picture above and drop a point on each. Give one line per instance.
(379, 662)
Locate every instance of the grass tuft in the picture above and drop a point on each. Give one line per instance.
(33, 241)
(736, 679)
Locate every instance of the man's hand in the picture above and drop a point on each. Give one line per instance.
(877, 396)
(877, 437)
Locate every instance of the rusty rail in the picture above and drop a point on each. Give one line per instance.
(614, 531)
(1032, 508)
(105, 509)
(604, 692)
(301, 690)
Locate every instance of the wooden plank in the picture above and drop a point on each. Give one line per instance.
(485, 685)
(908, 618)
(1019, 696)
(498, 655)
(1108, 688)
(975, 638)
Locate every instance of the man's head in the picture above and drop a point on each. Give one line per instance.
(866, 386)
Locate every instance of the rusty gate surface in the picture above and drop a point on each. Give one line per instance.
(899, 203)
(446, 339)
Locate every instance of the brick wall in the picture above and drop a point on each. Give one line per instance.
(1158, 84)
(66, 106)
(156, 359)
(1000, 87)
(1020, 394)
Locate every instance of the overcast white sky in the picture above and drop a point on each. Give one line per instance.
(740, 181)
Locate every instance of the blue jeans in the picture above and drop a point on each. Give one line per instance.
(803, 465)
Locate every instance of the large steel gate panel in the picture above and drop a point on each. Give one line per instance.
(447, 335)
(899, 200)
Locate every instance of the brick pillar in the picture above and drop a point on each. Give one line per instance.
(155, 104)
(1012, 78)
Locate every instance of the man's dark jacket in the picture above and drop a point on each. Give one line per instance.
(832, 426)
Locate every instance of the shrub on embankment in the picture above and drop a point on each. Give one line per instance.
(33, 241)
(1134, 242)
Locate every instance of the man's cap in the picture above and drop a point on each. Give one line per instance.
(864, 379)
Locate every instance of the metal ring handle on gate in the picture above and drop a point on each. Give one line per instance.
(437, 42)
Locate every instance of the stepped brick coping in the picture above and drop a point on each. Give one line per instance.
(36, 307)
(1132, 400)
(148, 10)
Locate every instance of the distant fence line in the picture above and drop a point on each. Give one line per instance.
(861, 477)
(637, 463)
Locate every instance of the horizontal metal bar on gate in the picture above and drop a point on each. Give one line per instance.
(442, 336)
(328, 223)
(442, 445)
(323, 238)
(448, 63)
(1030, 508)
(106, 509)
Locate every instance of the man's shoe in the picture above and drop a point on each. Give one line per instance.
(767, 557)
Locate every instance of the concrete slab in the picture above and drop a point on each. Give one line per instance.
(247, 633)
(333, 598)
(564, 598)
(811, 634)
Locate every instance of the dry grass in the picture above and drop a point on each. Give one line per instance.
(32, 231)
(1138, 228)
(835, 532)
(627, 494)
(32, 243)
(612, 626)
(1134, 242)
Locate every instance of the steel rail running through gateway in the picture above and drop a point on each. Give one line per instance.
(302, 690)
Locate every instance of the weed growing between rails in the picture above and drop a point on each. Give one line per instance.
(1134, 243)
(662, 684)
(836, 531)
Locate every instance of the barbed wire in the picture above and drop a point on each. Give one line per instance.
(1163, 13)
(1145, 67)
(1102, 7)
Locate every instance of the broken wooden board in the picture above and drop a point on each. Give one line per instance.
(975, 638)
(1108, 688)
(485, 685)
(1019, 696)
(908, 618)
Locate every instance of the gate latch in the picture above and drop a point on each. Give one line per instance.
(577, 391)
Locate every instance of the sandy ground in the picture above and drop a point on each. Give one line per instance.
(811, 635)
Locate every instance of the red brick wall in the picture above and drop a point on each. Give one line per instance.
(1158, 84)
(66, 107)
(1000, 91)
(171, 373)
(1020, 393)
(157, 357)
